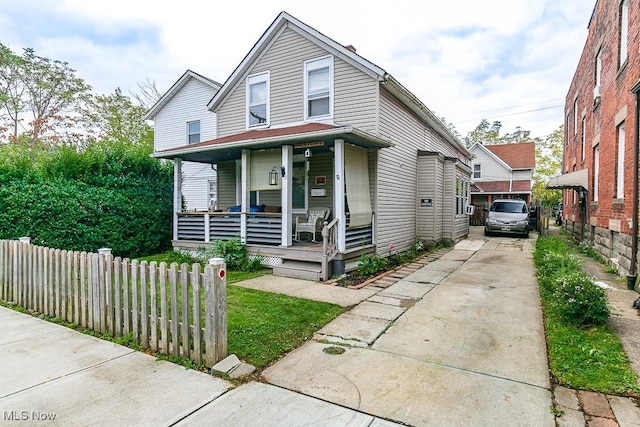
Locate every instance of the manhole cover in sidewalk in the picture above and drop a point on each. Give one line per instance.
(333, 350)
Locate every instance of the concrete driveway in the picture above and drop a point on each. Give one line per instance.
(458, 342)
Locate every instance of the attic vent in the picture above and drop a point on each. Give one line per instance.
(351, 48)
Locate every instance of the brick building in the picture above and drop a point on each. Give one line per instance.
(600, 166)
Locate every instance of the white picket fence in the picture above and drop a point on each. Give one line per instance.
(175, 310)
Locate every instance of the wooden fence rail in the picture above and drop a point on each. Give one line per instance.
(176, 310)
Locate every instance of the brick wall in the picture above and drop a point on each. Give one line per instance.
(602, 116)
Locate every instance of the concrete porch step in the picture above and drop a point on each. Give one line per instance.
(299, 270)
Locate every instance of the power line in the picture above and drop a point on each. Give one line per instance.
(516, 113)
(516, 106)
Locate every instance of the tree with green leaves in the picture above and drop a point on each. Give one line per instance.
(115, 117)
(12, 94)
(548, 165)
(39, 97)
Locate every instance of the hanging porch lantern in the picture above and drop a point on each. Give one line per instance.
(273, 177)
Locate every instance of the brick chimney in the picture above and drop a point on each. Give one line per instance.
(351, 48)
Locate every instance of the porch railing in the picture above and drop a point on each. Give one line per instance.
(329, 245)
(358, 236)
(262, 228)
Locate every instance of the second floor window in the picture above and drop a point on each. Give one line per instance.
(624, 31)
(193, 131)
(258, 100)
(477, 171)
(318, 81)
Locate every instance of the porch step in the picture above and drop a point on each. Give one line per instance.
(299, 270)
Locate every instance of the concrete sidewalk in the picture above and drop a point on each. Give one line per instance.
(51, 375)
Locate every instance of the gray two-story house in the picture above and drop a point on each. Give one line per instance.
(305, 125)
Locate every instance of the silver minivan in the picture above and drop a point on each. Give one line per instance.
(508, 216)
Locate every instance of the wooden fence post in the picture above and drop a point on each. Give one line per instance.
(215, 282)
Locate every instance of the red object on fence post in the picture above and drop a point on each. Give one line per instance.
(216, 312)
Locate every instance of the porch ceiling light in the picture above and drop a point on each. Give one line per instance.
(273, 176)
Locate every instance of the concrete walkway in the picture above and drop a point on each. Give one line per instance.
(457, 341)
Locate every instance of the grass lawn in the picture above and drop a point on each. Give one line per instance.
(264, 326)
(585, 358)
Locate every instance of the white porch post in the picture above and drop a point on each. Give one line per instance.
(246, 192)
(338, 193)
(177, 194)
(287, 195)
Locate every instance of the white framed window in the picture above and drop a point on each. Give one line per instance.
(477, 171)
(624, 31)
(596, 171)
(575, 118)
(318, 88)
(596, 91)
(193, 131)
(258, 100)
(212, 190)
(620, 163)
(584, 138)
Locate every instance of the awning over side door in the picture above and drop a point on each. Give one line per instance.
(576, 180)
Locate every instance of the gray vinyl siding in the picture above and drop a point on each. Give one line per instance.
(355, 99)
(354, 91)
(427, 181)
(226, 184)
(449, 213)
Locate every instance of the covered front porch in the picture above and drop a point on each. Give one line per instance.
(268, 178)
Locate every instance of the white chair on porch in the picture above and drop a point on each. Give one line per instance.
(312, 223)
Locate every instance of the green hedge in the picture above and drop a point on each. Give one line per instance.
(106, 195)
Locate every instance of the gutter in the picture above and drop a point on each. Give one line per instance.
(631, 278)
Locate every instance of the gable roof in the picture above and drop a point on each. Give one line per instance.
(175, 88)
(284, 21)
(520, 155)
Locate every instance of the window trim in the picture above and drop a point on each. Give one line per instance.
(189, 132)
(620, 148)
(623, 34)
(479, 171)
(264, 77)
(596, 172)
(312, 65)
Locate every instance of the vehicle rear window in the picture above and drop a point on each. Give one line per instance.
(508, 207)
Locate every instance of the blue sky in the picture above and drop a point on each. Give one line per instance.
(466, 60)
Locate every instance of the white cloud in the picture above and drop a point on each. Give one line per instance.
(460, 58)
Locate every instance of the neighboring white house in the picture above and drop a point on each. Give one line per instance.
(304, 124)
(502, 171)
(181, 117)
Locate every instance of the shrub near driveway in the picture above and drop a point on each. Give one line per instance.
(583, 352)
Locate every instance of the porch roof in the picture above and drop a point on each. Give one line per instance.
(319, 136)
